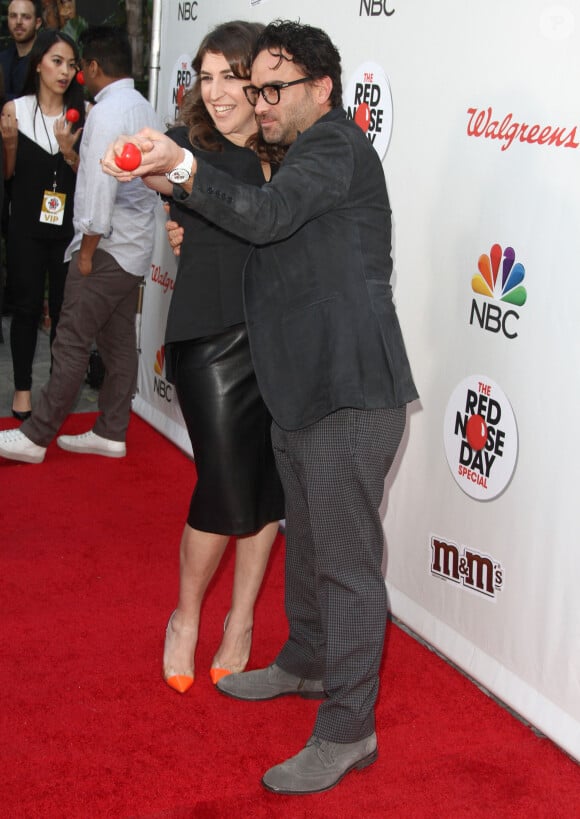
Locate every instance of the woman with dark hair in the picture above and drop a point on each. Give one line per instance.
(238, 493)
(40, 159)
(2, 281)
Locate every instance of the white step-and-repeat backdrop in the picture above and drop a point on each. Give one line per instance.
(475, 110)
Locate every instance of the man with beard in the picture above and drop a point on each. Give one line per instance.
(24, 20)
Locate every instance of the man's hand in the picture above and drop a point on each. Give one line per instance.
(85, 264)
(174, 233)
(159, 155)
(89, 244)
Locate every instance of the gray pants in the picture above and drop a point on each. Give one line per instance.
(333, 474)
(97, 308)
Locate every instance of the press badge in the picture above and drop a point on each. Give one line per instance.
(52, 210)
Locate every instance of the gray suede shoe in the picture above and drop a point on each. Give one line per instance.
(320, 765)
(269, 683)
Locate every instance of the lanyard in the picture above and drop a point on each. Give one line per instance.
(38, 108)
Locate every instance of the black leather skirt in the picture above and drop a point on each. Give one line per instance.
(238, 489)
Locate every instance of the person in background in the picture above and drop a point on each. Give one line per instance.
(238, 492)
(2, 270)
(24, 20)
(40, 161)
(109, 256)
(332, 368)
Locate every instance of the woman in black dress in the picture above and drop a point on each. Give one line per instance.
(238, 493)
(40, 160)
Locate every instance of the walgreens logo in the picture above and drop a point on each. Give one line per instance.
(483, 123)
(162, 278)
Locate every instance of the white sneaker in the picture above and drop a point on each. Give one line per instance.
(15, 446)
(89, 443)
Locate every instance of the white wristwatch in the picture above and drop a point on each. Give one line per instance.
(182, 172)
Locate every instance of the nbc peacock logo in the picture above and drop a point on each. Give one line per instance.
(500, 278)
(508, 287)
(159, 361)
(161, 387)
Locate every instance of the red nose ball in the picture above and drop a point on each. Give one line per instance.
(130, 157)
(80, 78)
(72, 115)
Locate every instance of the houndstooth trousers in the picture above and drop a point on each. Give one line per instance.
(333, 474)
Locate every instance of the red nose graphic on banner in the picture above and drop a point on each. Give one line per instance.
(362, 116)
(476, 432)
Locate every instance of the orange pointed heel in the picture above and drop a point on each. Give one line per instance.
(217, 673)
(180, 682)
(179, 679)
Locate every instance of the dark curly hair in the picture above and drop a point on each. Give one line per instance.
(236, 41)
(73, 97)
(309, 48)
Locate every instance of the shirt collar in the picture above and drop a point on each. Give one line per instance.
(126, 82)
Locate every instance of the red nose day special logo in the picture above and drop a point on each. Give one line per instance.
(180, 80)
(53, 204)
(500, 278)
(368, 102)
(480, 437)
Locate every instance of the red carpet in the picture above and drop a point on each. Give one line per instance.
(88, 574)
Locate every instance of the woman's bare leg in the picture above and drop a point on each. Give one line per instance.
(200, 554)
(21, 401)
(252, 554)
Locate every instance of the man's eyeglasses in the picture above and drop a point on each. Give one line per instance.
(270, 93)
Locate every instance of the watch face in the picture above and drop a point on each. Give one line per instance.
(178, 175)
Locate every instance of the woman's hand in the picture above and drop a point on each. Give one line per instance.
(67, 140)
(9, 131)
(64, 135)
(174, 232)
(9, 125)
